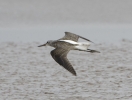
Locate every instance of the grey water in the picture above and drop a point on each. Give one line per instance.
(29, 72)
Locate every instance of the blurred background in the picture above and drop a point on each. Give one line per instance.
(29, 73)
(41, 20)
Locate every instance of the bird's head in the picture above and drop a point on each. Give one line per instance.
(47, 43)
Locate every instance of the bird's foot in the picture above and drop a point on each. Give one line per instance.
(93, 51)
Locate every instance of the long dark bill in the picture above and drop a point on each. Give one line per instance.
(42, 45)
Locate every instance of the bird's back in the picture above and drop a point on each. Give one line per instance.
(64, 45)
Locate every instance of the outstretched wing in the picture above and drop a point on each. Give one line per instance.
(73, 37)
(70, 36)
(60, 56)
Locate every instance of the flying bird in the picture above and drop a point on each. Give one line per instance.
(64, 45)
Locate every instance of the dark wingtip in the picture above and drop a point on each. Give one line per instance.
(74, 74)
(92, 42)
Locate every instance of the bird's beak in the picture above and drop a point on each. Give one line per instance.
(43, 45)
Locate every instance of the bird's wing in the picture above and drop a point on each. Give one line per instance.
(73, 37)
(70, 36)
(60, 56)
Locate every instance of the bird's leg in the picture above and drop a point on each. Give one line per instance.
(92, 51)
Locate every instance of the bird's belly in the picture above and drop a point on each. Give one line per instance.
(82, 46)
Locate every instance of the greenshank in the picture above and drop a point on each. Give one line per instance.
(64, 45)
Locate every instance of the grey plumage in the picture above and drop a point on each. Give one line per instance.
(60, 56)
(73, 37)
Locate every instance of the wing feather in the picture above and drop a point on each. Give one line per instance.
(60, 56)
(73, 37)
(70, 36)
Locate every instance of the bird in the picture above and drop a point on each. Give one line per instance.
(64, 45)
